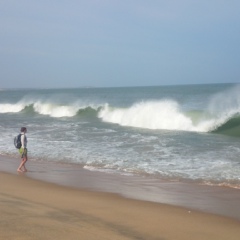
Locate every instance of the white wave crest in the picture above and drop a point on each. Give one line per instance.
(168, 115)
(163, 114)
(54, 106)
(54, 110)
(11, 108)
(223, 106)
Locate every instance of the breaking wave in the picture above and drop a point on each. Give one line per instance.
(169, 116)
(221, 115)
(49, 108)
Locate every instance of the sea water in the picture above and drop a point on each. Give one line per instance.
(177, 133)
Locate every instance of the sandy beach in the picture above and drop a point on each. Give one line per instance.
(42, 209)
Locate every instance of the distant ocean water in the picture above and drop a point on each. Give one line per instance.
(178, 133)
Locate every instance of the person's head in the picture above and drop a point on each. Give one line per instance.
(23, 129)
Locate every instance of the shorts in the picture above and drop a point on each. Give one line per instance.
(23, 152)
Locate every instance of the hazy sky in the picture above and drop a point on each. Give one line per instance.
(105, 43)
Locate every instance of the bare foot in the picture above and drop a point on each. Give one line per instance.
(19, 170)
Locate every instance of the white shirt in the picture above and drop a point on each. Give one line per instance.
(23, 140)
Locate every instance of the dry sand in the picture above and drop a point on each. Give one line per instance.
(37, 205)
(32, 209)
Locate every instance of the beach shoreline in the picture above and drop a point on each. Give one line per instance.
(222, 201)
(34, 207)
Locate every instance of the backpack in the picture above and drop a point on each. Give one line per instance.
(17, 141)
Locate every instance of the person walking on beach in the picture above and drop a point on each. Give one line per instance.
(23, 150)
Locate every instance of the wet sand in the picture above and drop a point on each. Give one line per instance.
(60, 201)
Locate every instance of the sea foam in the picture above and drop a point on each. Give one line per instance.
(169, 115)
(11, 108)
(164, 114)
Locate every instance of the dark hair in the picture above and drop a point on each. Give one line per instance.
(23, 129)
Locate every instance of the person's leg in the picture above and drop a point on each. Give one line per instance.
(24, 168)
(20, 166)
(24, 160)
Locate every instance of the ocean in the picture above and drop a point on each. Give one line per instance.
(185, 133)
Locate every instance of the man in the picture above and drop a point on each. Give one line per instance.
(23, 150)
